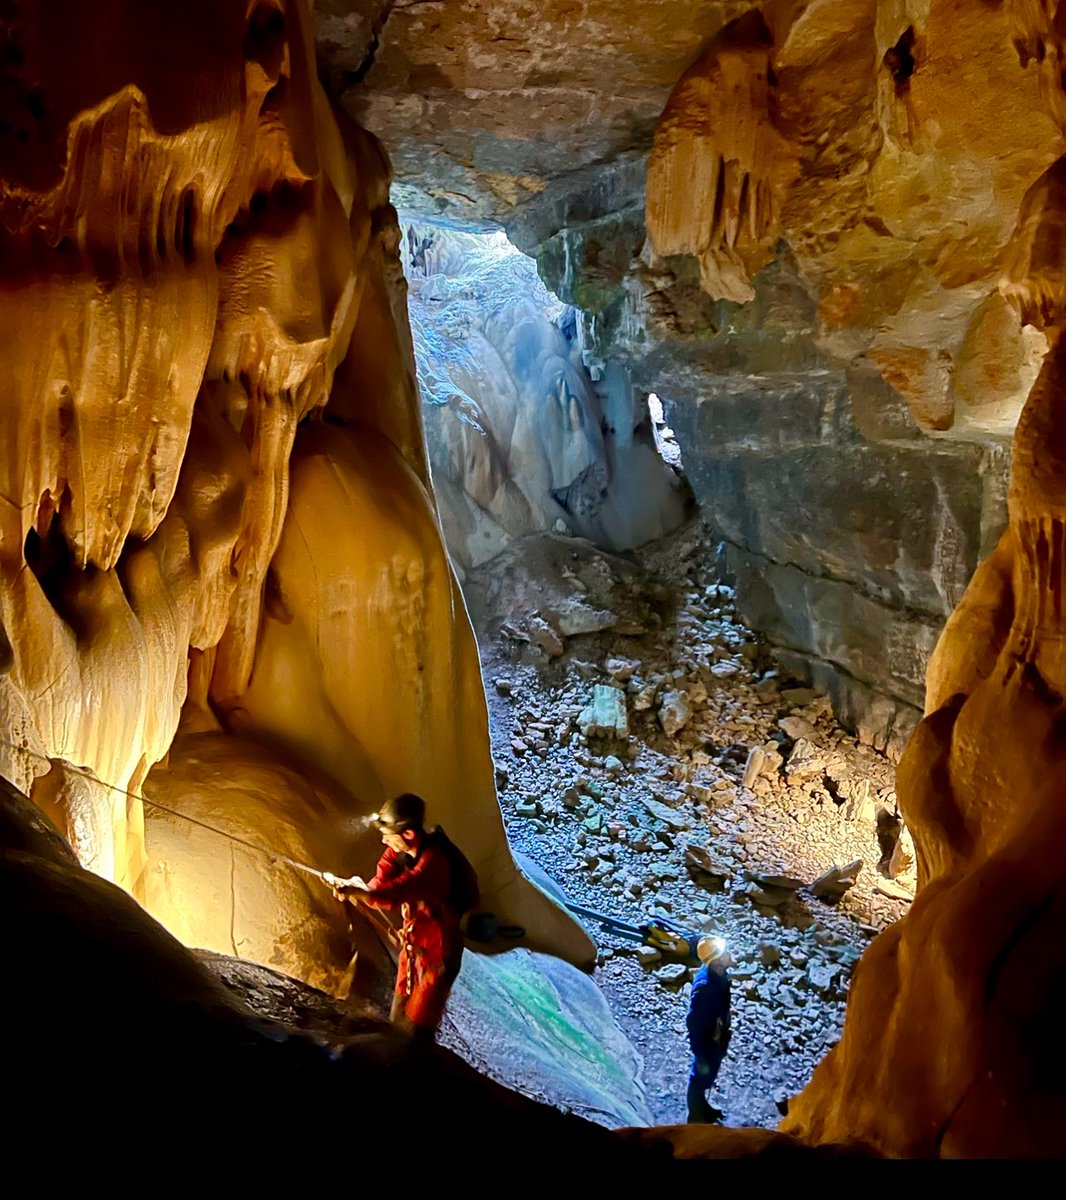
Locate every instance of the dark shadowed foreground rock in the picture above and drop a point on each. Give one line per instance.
(115, 1030)
(118, 1034)
(712, 1141)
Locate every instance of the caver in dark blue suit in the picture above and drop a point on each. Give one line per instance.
(708, 1035)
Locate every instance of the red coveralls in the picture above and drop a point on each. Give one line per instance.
(431, 940)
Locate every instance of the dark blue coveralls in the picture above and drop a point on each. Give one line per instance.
(708, 1036)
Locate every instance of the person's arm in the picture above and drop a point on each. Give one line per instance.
(696, 1018)
(389, 867)
(427, 879)
(356, 888)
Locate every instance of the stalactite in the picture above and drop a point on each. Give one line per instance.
(720, 168)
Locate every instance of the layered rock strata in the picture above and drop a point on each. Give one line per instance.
(848, 551)
(818, 199)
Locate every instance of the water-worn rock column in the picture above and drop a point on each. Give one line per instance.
(952, 1043)
(198, 256)
(953, 1039)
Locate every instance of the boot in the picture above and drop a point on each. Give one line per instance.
(703, 1113)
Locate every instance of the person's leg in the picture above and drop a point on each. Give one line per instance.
(701, 1079)
(712, 1065)
(398, 1014)
(695, 1097)
(425, 1006)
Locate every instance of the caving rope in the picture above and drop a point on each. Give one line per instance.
(380, 925)
(666, 936)
(482, 927)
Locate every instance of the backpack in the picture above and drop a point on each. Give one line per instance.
(465, 893)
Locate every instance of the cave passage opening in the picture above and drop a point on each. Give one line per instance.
(527, 431)
(666, 441)
(726, 788)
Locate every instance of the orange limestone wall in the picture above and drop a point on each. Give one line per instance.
(911, 155)
(954, 1032)
(889, 144)
(201, 297)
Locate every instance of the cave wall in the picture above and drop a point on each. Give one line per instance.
(781, 191)
(201, 1058)
(849, 528)
(163, 367)
(808, 160)
(521, 438)
(219, 553)
(853, 223)
(848, 550)
(949, 1033)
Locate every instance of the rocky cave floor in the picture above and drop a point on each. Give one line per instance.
(661, 822)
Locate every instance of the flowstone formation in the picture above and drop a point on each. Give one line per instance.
(954, 1015)
(223, 587)
(854, 172)
(220, 558)
(521, 438)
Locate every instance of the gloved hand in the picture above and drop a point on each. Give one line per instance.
(346, 889)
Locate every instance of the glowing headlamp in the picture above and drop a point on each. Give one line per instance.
(710, 949)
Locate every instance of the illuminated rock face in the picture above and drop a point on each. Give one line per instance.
(953, 1037)
(891, 149)
(196, 258)
(718, 147)
(952, 1022)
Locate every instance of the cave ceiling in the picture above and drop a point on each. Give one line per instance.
(484, 105)
(881, 148)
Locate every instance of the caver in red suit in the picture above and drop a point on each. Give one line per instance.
(431, 941)
(425, 875)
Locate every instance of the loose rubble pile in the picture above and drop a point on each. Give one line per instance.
(671, 772)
